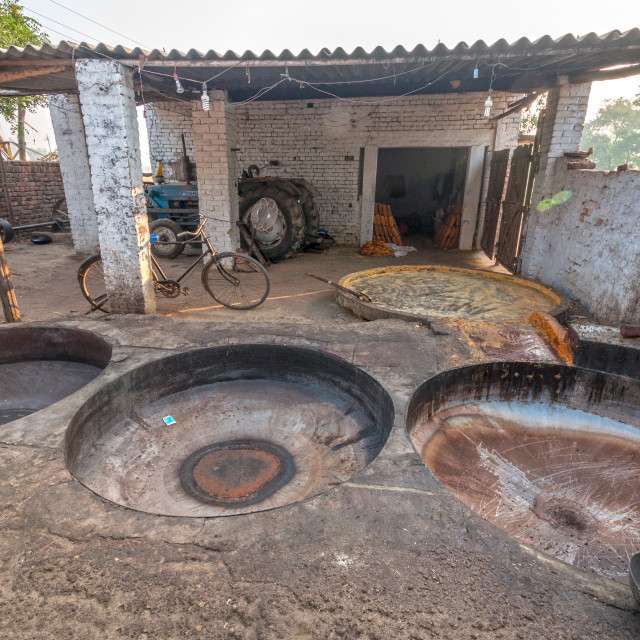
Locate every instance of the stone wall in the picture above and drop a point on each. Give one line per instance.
(34, 189)
(320, 140)
(589, 247)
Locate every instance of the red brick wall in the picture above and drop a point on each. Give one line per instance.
(34, 188)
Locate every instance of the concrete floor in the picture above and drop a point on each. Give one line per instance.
(44, 277)
(389, 554)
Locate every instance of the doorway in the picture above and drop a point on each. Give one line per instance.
(421, 185)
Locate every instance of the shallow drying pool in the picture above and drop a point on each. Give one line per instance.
(551, 454)
(228, 430)
(432, 292)
(41, 365)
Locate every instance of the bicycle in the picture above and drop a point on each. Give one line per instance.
(221, 276)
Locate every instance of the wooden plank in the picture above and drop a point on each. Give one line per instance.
(497, 175)
(7, 293)
(253, 247)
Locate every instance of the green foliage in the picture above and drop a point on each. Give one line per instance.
(19, 30)
(614, 133)
(530, 115)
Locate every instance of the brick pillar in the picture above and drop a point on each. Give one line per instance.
(109, 114)
(562, 130)
(76, 173)
(214, 134)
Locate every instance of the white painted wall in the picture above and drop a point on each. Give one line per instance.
(108, 106)
(589, 247)
(68, 127)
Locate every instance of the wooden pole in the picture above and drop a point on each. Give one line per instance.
(5, 189)
(7, 294)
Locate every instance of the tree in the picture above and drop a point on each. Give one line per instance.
(530, 115)
(614, 133)
(19, 30)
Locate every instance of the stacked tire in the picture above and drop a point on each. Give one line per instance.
(298, 215)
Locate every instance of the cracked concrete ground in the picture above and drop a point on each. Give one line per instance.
(389, 554)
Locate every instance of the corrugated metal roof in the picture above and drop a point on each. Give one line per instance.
(501, 47)
(522, 66)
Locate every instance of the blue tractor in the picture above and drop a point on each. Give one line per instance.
(278, 214)
(172, 208)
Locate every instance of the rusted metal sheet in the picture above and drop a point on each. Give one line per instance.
(256, 427)
(498, 173)
(236, 472)
(549, 453)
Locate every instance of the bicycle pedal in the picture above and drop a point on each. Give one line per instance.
(185, 291)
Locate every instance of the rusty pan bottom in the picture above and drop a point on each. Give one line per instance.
(226, 431)
(550, 460)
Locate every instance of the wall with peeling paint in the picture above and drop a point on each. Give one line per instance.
(589, 247)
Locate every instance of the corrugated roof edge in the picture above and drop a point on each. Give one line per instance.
(65, 50)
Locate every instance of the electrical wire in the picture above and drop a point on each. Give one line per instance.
(99, 24)
(388, 77)
(66, 26)
(372, 102)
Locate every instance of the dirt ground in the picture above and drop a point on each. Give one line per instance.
(389, 555)
(46, 284)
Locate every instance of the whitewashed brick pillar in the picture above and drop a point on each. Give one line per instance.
(214, 135)
(108, 107)
(76, 173)
(562, 130)
(368, 200)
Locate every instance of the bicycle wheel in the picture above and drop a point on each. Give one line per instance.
(91, 279)
(232, 288)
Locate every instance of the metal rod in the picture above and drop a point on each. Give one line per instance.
(361, 296)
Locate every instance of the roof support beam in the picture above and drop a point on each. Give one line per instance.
(31, 62)
(20, 74)
(608, 74)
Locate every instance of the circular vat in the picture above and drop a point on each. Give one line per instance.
(549, 453)
(228, 430)
(41, 365)
(430, 292)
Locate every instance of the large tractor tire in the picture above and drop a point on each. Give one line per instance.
(168, 245)
(312, 218)
(287, 235)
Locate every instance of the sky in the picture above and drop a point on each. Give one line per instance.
(289, 24)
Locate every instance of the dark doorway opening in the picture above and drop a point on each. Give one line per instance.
(421, 184)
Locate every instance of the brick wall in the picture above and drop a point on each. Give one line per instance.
(215, 135)
(320, 140)
(165, 124)
(34, 188)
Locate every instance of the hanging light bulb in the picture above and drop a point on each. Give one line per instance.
(179, 87)
(488, 103)
(205, 98)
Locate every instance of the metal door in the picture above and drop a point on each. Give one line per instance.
(497, 174)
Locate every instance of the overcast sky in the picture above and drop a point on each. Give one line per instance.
(295, 25)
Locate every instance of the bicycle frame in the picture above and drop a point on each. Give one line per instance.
(203, 240)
